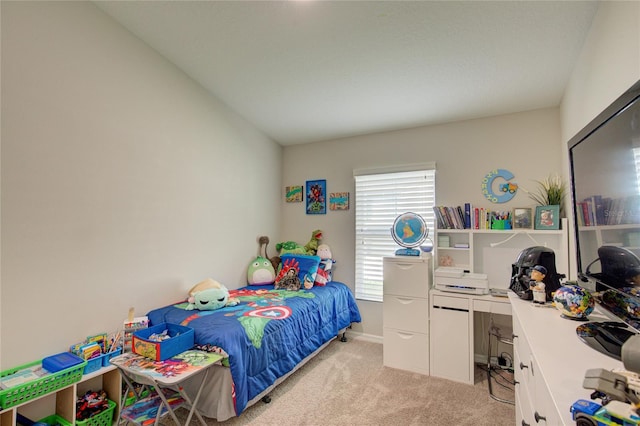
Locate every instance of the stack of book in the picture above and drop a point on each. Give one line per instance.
(463, 217)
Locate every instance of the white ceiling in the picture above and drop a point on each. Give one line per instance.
(306, 71)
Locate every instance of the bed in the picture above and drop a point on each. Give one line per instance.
(267, 336)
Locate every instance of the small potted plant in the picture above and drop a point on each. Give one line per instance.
(551, 192)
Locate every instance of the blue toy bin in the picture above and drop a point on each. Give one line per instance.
(180, 339)
(107, 357)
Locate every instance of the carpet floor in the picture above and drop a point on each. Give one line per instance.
(346, 384)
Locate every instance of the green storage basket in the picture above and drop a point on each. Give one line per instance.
(103, 419)
(27, 391)
(54, 420)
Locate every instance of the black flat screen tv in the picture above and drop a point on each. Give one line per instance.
(604, 162)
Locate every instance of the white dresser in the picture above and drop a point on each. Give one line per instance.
(549, 363)
(406, 312)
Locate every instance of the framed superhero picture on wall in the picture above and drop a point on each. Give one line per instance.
(316, 191)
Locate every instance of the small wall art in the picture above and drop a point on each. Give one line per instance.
(316, 196)
(339, 201)
(548, 217)
(294, 194)
(522, 218)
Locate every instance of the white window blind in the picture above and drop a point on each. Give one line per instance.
(379, 199)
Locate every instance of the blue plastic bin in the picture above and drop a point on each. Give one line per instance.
(180, 339)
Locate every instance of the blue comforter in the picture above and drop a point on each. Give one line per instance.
(269, 332)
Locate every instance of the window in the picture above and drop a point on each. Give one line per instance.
(380, 197)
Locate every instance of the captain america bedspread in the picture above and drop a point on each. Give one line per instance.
(269, 332)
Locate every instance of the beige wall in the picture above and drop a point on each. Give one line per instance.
(123, 182)
(527, 144)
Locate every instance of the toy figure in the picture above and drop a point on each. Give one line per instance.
(536, 284)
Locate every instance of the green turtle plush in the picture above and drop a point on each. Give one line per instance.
(209, 295)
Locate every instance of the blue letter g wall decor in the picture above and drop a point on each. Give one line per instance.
(506, 191)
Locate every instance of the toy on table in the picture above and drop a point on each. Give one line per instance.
(209, 295)
(536, 284)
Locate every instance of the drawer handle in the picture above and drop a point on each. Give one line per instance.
(405, 335)
(523, 366)
(513, 336)
(538, 417)
(525, 423)
(404, 301)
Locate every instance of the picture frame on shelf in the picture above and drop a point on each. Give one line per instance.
(522, 218)
(547, 217)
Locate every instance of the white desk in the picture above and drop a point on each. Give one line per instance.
(452, 334)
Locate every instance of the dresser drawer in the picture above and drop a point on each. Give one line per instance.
(407, 277)
(406, 350)
(406, 313)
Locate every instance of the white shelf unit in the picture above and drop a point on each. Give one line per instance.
(63, 401)
(407, 280)
(492, 251)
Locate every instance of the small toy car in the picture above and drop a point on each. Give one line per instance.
(509, 187)
(589, 413)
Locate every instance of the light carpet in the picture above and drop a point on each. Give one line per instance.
(346, 384)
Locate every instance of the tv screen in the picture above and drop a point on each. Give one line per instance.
(605, 184)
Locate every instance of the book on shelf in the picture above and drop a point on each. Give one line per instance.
(597, 210)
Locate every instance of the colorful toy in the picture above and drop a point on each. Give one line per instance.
(325, 270)
(287, 278)
(290, 247)
(261, 272)
(209, 295)
(312, 246)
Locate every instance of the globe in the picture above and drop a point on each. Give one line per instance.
(574, 302)
(409, 230)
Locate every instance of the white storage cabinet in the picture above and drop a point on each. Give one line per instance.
(407, 280)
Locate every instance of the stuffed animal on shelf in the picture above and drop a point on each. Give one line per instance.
(312, 246)
(209, 295)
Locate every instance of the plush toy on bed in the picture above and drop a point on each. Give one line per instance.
(209, 295)
(261, 272)
(325, 269)
(312, 246)
(287, 278)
